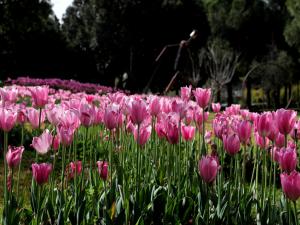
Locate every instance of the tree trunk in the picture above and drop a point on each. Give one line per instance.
(268, 93)
(229, 94)
(277, 97)
(218, 94)
(249, 97)
(285, 95)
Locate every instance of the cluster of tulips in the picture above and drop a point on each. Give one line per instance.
(146, 159)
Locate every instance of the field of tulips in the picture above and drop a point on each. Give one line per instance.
(143, 159)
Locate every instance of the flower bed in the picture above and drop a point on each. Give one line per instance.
(132, 159)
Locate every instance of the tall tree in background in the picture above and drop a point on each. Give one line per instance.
(31, 42)
(126, 36)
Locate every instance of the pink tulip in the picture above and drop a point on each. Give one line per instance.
(55, 143)
(244, 131)
(231, 144)
(14, 156)
(279, 140)
(291, 185)
(33, 116)
(262, 142)
(285, 120)
(65, 134)
(160, 129)
(39, 95)
(207, 136)
(198, 117)
(9, 95)
(8, 119)
(245, 114)
(103, 169)
(89, 98)
(154, 106)
(87, 114)
(295, 132)
(178, 106)
(144, 135)
(188, 132)
(41, 172)
(234, 109)
(42, 143)
(172, 129)
(54, 115)
(276, 154)
(273, 132)
(110, 117)
(185, 93)
(208, 168)
(288, 160)
(189, 116)
(138, 111)
(21, 116)
(74, 168)
(202, 97)
(264, 124)
(220, 126)
(216, 107)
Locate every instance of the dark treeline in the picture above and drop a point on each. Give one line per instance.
(101, 40)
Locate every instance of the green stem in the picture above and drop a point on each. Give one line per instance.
(40, 118)
(105, 208)
(296, 213)
(5, 217)
(19, 169)
(203, 150)
(288, 210)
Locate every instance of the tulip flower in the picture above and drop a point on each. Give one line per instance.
(154, 106)
(33, 117)
(279, 140)
(138, 111)
(264, 124)
(39, 95)
(202, 97)
(295, 132)
(14, 156)
(41, 172)
(56, 143)
(42, 143)
(244, 131)
(216, 107)
(65, 134)
(262, 142)
(208, 168)
(285, 120)
(231, 144)
(110, 117)
(9, 94)
(103, 169)
(8, 119)
(144, 135)
(74, 168)
(288, 159)
(185, 93)
(290, 184)
(87, 114)
(188, 132)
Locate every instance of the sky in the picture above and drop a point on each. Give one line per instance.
(60, 6)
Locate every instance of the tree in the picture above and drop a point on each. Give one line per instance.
(221, 65)
(30, 39)
(126, 36)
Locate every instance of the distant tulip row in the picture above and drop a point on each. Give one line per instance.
(142, 143)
